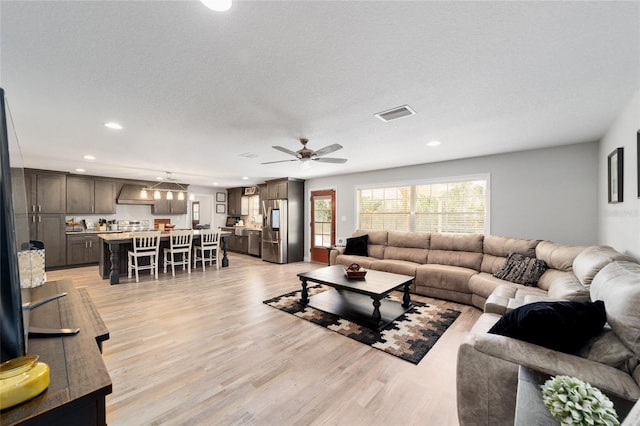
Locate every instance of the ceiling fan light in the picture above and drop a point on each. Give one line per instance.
(217, 5)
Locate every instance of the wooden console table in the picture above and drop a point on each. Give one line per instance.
(79, 381)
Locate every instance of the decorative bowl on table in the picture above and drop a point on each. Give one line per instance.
(355, 271)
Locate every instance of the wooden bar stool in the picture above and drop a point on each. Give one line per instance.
(145, 244)
(207, 249)
(179, 244)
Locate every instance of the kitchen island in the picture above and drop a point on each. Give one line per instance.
(114, 248)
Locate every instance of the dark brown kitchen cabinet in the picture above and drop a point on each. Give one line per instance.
(277, 189)
(92, 196)
(164, 206)
(238, 244)
(50, 229)
(46, 203)
(234, 201)
(82, 249)
(46, 192)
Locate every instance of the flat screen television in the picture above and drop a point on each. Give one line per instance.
(14, 235)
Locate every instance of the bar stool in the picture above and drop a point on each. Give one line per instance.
(145, 244)
(179, 243)
(207, 249)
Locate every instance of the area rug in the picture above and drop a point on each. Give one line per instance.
(409, 337)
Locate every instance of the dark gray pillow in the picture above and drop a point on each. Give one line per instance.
(357, 245)
(521, 269)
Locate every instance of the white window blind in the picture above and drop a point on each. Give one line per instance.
(439, 207)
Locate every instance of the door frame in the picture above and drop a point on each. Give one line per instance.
(317, 254)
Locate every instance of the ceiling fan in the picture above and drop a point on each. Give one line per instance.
(305, 154)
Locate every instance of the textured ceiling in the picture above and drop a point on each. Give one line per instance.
(196, 89)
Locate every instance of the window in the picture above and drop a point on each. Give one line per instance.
(453, 206)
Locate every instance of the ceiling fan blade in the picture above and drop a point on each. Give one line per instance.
(331, 160)
(281, 161)
(285, 150)
(328, 149)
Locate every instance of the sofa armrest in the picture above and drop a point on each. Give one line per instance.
(553, 362)
(333, 254)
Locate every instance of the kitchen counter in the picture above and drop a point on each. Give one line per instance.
(115, 245)
(90, 231)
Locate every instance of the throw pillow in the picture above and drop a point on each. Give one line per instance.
(520, 269)
(357, 245)
(561, 326)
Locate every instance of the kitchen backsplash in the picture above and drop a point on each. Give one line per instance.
(132, 212)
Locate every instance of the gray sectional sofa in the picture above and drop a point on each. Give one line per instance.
(461, 268)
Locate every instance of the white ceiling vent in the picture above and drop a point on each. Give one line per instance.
(395, 113)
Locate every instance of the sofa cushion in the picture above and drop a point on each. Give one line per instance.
(592, 259)
(607, 348)
(618, 285)
(357, 245)
(408, 239)
(561, 326)
(395, 266)
(415, 255)
(447, 277)
(485, 284)
(521, 269)
(377, 242)
(347, 260)
(496, 249)
(564, 286)
(558, 256)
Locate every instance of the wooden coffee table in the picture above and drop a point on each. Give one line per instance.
(352, 298)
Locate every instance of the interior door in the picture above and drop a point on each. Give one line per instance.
(323, 224)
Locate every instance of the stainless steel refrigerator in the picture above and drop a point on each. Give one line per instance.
(274, 231)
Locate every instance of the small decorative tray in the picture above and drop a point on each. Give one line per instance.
(355, 271)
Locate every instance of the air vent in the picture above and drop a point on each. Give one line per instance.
(248, 155)
(395, 113)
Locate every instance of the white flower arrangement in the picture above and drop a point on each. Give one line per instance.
(574, 402)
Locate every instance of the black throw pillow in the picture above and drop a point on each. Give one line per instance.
(357, 245)
(561, 326)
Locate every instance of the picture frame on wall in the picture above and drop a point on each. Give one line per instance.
(221, 208)
(615, 173)
(221, 197)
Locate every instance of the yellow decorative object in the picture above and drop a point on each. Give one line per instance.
(22, 379)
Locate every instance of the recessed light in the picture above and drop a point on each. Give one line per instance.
(215, 184)
(80, 170)
(113, 125)
(159, 178)
(218, 5)
(433, 143)
(89, 157)
(245, 178)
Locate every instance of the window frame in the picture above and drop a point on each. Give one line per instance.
(431, 181)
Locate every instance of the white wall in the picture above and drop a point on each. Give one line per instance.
(207, 198)
(548, 194)
(619, 224)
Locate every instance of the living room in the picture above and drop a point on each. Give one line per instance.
(546, 164)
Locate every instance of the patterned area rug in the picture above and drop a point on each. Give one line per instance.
(409, 337)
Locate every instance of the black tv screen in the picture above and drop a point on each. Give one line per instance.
(14, 236)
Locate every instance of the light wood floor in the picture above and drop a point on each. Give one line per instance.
(202, 349)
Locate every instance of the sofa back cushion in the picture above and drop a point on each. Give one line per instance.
(592, 259)
(411, 246)
(618, 285)
(558, 256)
(561, 285)
(377, 241)
(496, 249)
(456, 250)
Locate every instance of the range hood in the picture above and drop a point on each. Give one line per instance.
(130, 194)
